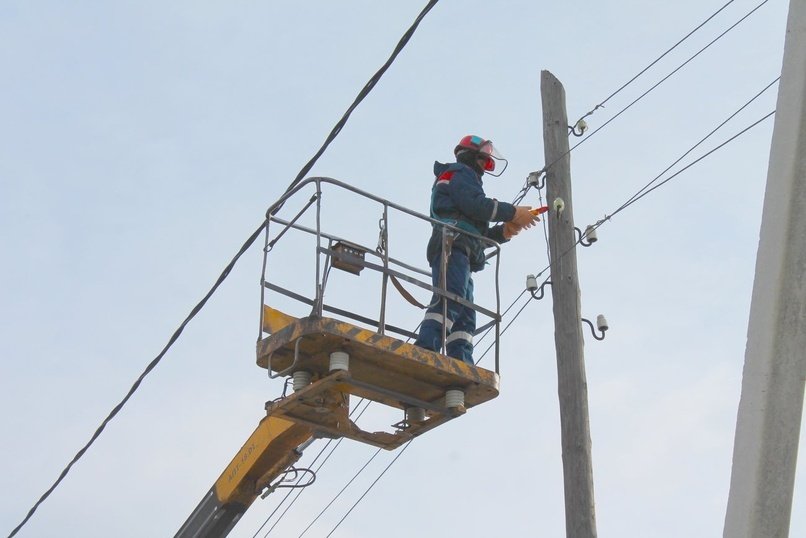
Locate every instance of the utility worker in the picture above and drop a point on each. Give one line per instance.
(457, 198)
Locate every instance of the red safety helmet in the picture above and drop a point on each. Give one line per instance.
(484, 148)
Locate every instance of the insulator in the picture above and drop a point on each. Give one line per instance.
(582, 125)
(601, 323)
(531, 282)
(590, 234)
(339, 360)
(454, 398)
(415, 414)
(302, 379)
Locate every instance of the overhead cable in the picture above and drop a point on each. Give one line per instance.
(528, 184)
(653, 87)
(635, 198)
(361, 95)
(523, 307)
(664, 79)
(632, 200)
(288, 494)
(402, 450)
(656, 60)
(646, 189)
(626, 205)
(340, 492)
(641, 193)
(689, 165)
(324, 461)
(225, 273)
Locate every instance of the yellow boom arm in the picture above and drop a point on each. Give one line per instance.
(266, 454)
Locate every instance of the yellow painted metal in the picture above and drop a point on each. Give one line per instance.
(274, 320)
(376, 359)
(381, 369)
(267, 452)
(323, 406)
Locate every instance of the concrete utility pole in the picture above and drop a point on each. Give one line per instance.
(580, 517)
(768, 426)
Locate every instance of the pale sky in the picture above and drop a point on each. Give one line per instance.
(141, 143)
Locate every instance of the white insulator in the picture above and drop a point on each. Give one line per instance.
(454, 398)
(531, 282)
(582, 125)
(601, 323)
(415, 414)
(301, 379)
(590, 234)
(559, 205)
(339, 360)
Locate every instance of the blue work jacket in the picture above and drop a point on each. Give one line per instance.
(458, 198)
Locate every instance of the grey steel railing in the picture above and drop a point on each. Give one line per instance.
(386, 265)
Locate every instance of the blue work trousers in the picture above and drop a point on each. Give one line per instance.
(461, 322)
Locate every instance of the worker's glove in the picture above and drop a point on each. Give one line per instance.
(510, 230)
(523, 217)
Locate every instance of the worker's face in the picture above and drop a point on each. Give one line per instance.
(486, 163)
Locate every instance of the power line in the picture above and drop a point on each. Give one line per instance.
(300, 491)
(646, 190)
(523, 307)
(504, 330)
(340, 492)
(225, 273)
(659, 58)
(632, 200)
(139, 380)
(607, 217)
(361, 95)
(720, 146)
(636, 197)
(528, 185)
(641, 193)
(294, 500)
(664, 79)
(376, 453)
(402, 450)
